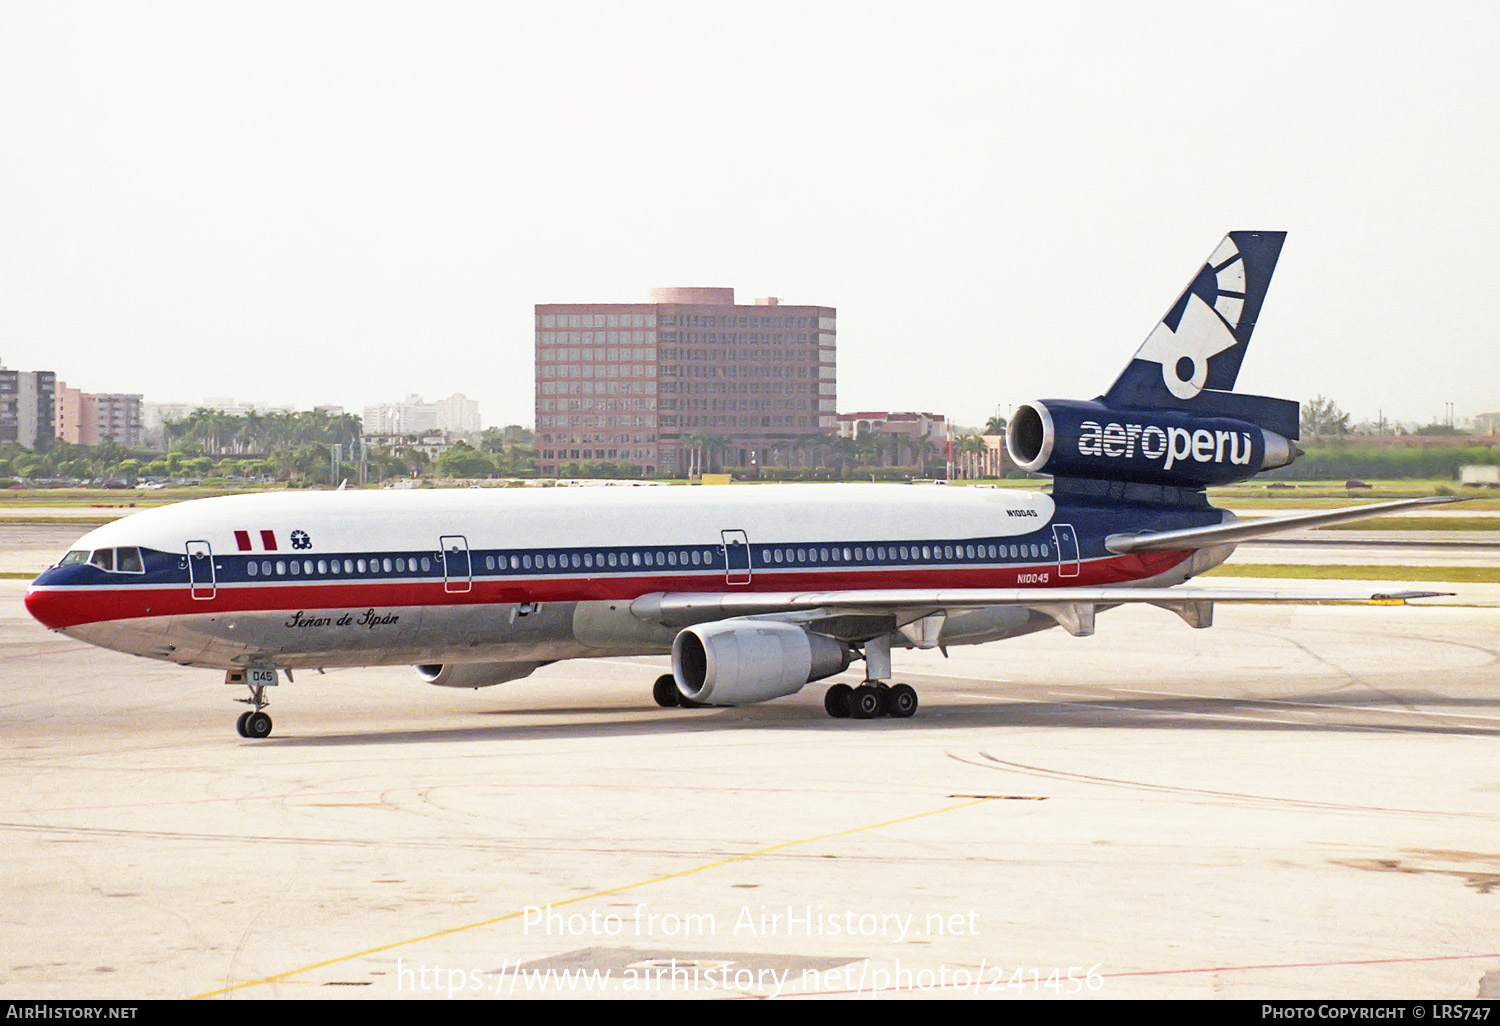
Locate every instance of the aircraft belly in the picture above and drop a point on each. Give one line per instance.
(379, 636)
(143, 636)
(610, 628)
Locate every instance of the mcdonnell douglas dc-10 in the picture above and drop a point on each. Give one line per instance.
(753, 591)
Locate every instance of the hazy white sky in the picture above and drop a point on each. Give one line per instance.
(347, 202)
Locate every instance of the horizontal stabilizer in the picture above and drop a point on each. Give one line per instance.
(1240, 530)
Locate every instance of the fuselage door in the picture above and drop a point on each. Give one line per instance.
(458, 572)
(736, 557)
(200, 561)
(1067, 549)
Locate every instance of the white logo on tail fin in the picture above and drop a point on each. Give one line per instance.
(1202, 330)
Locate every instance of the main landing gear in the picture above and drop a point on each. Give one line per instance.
(871, 699)
(874, 697)
(668, 697)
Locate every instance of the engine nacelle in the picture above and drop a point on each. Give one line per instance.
(738, 662)
(1066, 438)
(473, 675)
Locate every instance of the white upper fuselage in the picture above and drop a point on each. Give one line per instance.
(358, 578)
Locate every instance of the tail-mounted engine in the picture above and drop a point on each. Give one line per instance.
(1067, 438)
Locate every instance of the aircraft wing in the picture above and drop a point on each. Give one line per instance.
(853, 615)
(1204, 537)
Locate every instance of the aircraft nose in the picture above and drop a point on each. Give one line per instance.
(46, 607)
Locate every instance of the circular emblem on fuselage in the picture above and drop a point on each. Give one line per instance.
(300, 540)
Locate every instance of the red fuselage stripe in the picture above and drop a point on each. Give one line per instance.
(72, 607)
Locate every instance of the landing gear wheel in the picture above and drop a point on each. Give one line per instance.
(837, 701)
(257, 725)
(239, 724)
(665, 692)
(901, 701)
(867, 702)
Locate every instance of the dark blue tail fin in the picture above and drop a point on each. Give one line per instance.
(1191, 359)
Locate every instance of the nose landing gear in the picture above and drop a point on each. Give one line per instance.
(255, 723)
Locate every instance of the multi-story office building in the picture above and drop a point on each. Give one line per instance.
(687, 381)
(455, 415)
(26, 407)
(83, 418)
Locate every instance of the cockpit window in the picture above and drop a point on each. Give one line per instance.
(115, 561)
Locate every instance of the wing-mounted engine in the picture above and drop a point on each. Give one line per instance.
(473, 675)
(1068, 438)
(739, 662)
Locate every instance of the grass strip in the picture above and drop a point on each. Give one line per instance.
(1338, 572)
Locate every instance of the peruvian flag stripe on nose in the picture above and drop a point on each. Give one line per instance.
(242, 539)
(267, 541)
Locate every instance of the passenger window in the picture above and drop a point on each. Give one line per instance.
(361, 565)
(296, 568)
(251, 568)
(281, 568)
(307, 566)
(426, 564)
(265, 567)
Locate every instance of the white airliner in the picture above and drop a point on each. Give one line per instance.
(755, 591)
